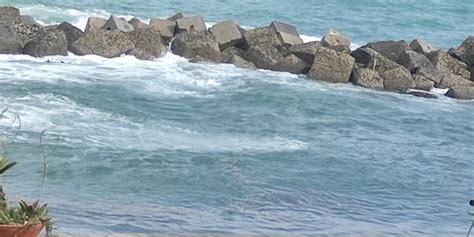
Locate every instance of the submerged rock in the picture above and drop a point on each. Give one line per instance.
(109, 44)
(227, 34)
(46, 44)
(191, 45)
(422, 94)
(148, 44)
(332, 66)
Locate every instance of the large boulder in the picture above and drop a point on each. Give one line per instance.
(292, 64)
(227, 34)
(264, 56)
(263, 36)
(46, 44)
(109, 44)
(398, 79)
(332, 66)
(466, 50)
(305, 51)
(369, 58)
(137, 24)
(191, 24)
(421, 46)
(72, 33)
(454, 71)
(10, 41)
(367, 78)
(337, 41)
(192, 45)
(287, 34)
(27, 32)
(94, 24)
(176, 16)
(166, 28)
(389, 49)
(9, 14)
(115, 23)
(229, 52)
(28, 20)
(422, 82)
(242, 63)
(418, 63)
(461, 92)
(148, 44)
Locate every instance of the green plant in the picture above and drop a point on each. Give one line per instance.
(24, 213)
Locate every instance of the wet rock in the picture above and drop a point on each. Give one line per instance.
(466, 50)
(51, 27)
(109, 44)
(422, 94)
(461, 92)
(389, 49)
(264, 56)
(137, 24)
(398, 79)
(242, 63)
(287, 34)
(418, 63)
(148, 44)
(46, 44)
(9, 14)
(332, 66)
(263, 36)
(421, 46)
(176, 16)
(337, 41)
(94, 24)
(454, 71)
(292, 64)
(371, 59)
(366, 78)
(305, 51)
(191, 45)
(115, 23)
(72, 33)
(228, 53)
(165, 27)
(422, 82)
(227, 34)
(191, 24)
(10, 41)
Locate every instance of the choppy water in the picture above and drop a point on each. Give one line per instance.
(173, 147)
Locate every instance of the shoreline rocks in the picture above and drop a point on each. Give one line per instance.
(383, 65)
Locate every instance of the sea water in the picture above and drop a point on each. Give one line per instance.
(168, 146)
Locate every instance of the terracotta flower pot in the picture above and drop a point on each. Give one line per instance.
(20, 230)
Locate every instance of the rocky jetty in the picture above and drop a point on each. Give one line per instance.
(414, 68)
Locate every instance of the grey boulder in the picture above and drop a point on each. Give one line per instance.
(337, 41)
(115, 23)
(72, 33)
(305, 51)
(421, 46)
(166, 28)
(227, 34)
(418, 63)
(454, 72)
(10, 41)
(109, 44)
(192, 45)
(9, 14)
(94, 24)
(369, 58)
(467, 50)
(137, 24)
(398, 79)
(367, 78)
(422, 82)
(46, 44)
(229, 52)
(331, 66)
(262, 36)
(148, 44)
(191, 24)
(461, 92)
(389, 49)
(242, 63)
(287, 34)
(176, 16)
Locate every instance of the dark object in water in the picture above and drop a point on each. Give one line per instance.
(471, 203)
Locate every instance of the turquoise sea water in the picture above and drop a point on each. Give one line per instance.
(173, 147)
